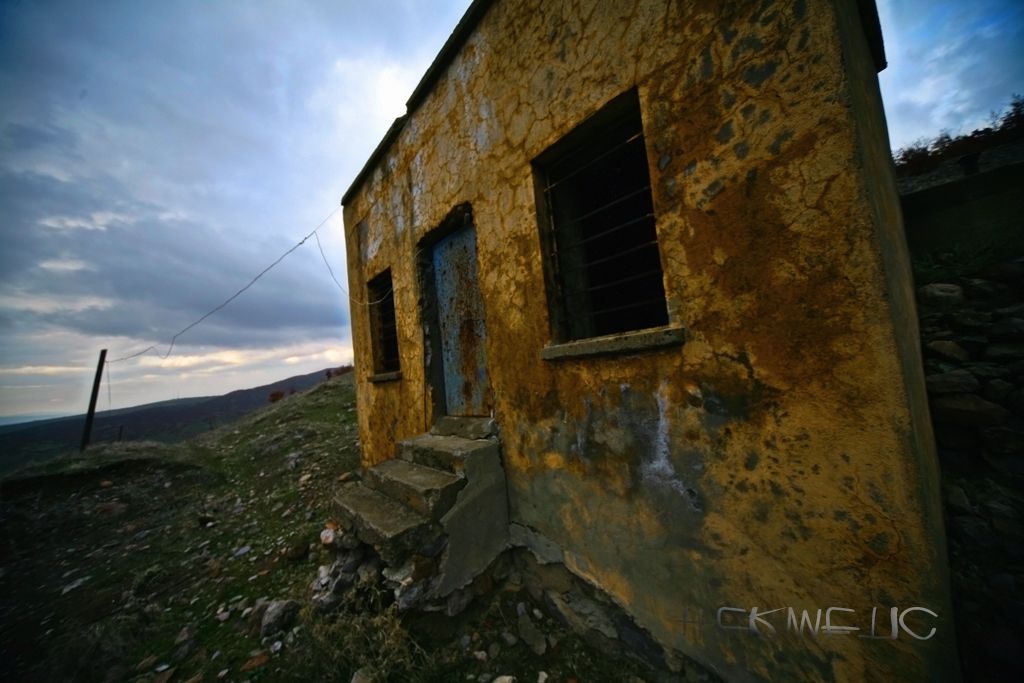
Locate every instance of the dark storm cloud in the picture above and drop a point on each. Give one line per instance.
(163, 273)
(19, 138)
(156, 156)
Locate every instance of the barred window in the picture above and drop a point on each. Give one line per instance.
(383, 326)
(604, 271)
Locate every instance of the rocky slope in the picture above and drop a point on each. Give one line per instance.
(972, 333)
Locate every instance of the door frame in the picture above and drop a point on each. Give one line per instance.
(458, 218)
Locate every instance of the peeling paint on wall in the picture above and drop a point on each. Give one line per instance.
(777, 457)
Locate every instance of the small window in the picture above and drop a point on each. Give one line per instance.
(604, 271)
(383, 325)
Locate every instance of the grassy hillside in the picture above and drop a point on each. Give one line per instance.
(165, 421)
(138, 562)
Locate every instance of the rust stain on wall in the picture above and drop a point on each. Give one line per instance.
(774, 458)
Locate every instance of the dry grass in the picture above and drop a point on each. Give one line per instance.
(367, 633)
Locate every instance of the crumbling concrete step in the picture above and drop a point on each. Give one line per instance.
(465, 427)
(394, 529)
(449, 453)
(426, 490)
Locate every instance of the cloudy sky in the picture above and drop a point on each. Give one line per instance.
(156, 156)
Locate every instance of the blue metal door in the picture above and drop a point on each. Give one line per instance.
(461, 318)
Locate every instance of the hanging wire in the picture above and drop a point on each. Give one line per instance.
(343, 290)
(229, 300)
(314, 234)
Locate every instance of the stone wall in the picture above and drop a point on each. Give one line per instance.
(952, 211)
(781, 457)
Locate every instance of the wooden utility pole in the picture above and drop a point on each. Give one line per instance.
(92, 401)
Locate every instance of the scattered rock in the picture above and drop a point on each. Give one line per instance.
(941, 296)
(957, 499)
(370, 571)
(984, 290)
(186, 648)
(494, 650)
(997, 390)
(457, 602)
(531, 636)
(74, 584)
(949, 350)
(1000, 509)
(278, 617)
(348, 541)
(968, 410)
(1005, 352)
(971, 320)
(295, 552)
(146, 664)
(1005, 439)
(582, 614)
(974, 529)
(509, 639)
(256, 662)
(956, 381)
(364, 675)
(1011, 330)
(164, 676)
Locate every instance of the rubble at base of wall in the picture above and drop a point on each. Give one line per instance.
(570, 602)
(591, 614)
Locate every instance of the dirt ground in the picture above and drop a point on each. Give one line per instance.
(139, 561)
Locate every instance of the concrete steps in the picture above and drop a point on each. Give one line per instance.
(426, 490)
(447, 453)
(445, 483)
(394, 529)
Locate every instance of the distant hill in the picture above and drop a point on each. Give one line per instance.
(167, 421)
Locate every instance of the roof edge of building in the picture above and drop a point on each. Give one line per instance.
(470, 20)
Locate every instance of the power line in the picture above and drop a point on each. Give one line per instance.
(233, 297)
(343, 290)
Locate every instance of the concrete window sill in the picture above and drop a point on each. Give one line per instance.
(386, 376)
(628, 342)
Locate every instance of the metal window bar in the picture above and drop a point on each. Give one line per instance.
(608, 231)
(612, 284)
(593, 161)
(620, 254)
(610, 204)
(614, 309)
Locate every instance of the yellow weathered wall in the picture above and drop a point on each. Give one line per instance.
(779, 457)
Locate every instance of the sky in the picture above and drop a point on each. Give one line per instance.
(155, 157)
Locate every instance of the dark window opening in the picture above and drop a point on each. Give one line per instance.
(383, 325)
(605, 267)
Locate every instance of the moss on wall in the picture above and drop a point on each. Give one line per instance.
(774, 460)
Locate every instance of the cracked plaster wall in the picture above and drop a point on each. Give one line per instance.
(779, 457)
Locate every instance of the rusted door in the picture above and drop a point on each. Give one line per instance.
(460, 311)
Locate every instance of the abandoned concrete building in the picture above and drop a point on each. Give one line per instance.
(636, 297)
